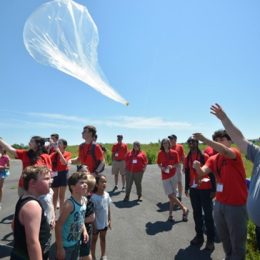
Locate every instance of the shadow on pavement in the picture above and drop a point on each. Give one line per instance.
(126, 204)
(159, 226)
(7, 220)
(163, 206)
(115, 193)
(193, 252)
(5, 250)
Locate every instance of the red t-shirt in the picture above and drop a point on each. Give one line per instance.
(210, 151)
(55, 159)
(85, 156)
(136, 161)
(43, 160)
(205, 183)
(231, 174)
(119, 151)
(180, 150)
(164, 159)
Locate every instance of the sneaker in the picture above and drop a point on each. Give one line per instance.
(139, 198)
(197, 240)
(115, 188)
(104, 257)
(185, 216)
(123, 189)
(210, 246)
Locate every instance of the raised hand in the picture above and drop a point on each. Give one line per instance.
(217, 111)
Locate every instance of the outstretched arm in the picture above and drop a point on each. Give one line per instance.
(7, 147)
(220, 148)
(235, 134)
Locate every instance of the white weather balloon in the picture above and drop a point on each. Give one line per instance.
(63, 35)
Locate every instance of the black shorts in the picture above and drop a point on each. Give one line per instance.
(96, 231)
(60, 180)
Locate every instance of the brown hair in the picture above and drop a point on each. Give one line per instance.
(32, 173)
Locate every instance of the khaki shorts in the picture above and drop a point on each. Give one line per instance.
(170, 185)
(118, 167)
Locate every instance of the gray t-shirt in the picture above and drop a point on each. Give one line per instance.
(101, 206)
(253, 200)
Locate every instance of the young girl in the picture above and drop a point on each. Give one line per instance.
(101, 201)
(4, 166)
(60, 160)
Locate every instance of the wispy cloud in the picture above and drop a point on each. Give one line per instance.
(59, 117)
(145, 123)
(42, 120)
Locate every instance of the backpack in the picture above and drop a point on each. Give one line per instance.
(99, 165)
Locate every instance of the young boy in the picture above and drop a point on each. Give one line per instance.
(70, 224)
(30, 226)
(85, 252)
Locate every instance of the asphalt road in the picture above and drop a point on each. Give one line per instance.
(140, 230)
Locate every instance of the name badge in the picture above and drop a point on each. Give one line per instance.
(220, 187)
(116, 154)
(167, 170)
(134, 161)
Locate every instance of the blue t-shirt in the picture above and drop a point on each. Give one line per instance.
(253, 200)
(72, 228)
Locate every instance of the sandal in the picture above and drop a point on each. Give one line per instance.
(185, 216)
(170, 218)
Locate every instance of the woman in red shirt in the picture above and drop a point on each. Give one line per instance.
(136, 162)
(167, 161)
(36, 155)
(60, 160)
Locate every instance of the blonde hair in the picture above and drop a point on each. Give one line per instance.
(91, 181)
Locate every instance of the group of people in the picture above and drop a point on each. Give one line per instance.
(217, 172)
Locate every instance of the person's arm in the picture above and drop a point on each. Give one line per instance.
(62, 158)
(235, 134)
(30, 217)
(201, 171)
(66, 210)
(90, 219)
(220, 148)
(8, 147)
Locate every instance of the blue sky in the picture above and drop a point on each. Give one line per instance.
(170, 59)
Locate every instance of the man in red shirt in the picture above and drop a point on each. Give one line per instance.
(119, 151)
(180, 150)
(230, 212)
(90, 153)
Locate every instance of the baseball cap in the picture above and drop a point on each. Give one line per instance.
(172, 137)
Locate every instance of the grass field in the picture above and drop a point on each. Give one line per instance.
(151, 152)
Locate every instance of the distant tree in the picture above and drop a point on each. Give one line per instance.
(19, 146)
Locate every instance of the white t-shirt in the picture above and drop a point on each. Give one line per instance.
(101, 206)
